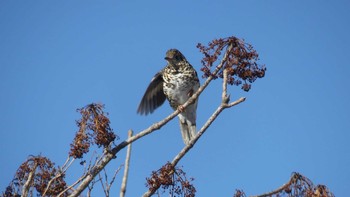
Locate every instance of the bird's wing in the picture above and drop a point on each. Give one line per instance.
(153, 97)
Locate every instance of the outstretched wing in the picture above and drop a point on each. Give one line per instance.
(153, 97)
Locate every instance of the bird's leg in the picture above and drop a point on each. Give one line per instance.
(190, 93)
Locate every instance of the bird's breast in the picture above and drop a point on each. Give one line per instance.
(176, 87)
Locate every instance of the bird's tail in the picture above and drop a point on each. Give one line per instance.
(188, 131)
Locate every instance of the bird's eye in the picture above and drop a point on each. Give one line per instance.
(178, 57)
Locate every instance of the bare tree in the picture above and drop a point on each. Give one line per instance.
(230, 58)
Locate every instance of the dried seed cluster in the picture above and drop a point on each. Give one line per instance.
(173, 179)
(43, 171)
(240, 61)
(94, 127)
(298, 186)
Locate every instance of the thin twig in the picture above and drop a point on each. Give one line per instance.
(58, 175)
(92, 186)
(103, 186)
(64, 168)
(126, 169)
(107, 186)
(115, 174)
(66, 162)
(71, 186)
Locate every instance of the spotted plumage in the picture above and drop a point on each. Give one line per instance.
(176, 82)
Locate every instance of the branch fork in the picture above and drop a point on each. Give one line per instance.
(108, 156)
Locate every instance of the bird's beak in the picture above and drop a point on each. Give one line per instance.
(167, 58)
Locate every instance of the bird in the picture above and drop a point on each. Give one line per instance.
(176, 82)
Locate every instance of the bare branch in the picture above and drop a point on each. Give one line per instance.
(299, 185)
(126, 169)
(294, 179)
(225, 98)
(204, 128)
(30, 180)
(280, 189)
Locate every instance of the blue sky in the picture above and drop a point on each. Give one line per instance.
(57, 56)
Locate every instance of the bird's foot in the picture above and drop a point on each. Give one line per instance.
(181, 108)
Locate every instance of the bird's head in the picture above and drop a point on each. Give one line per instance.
(174, 56)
